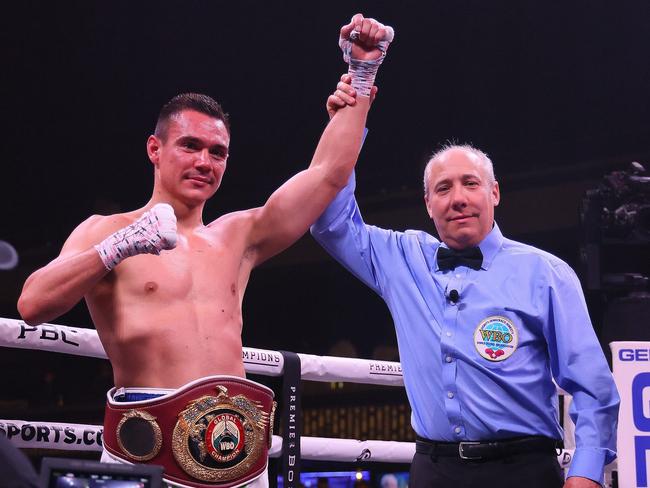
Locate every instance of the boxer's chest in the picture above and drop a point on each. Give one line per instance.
(196, 271)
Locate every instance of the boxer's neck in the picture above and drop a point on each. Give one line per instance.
(188, 217)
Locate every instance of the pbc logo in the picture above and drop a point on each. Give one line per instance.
(49, 333)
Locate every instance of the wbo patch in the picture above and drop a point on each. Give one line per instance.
(496, 338)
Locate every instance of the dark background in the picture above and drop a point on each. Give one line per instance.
(557, 93)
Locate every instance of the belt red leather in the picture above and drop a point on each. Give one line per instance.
(212, 432)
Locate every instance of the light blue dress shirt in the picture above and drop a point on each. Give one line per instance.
(456, 393)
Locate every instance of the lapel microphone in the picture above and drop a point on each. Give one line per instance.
(454, 296)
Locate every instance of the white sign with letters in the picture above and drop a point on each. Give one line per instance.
(631, 365)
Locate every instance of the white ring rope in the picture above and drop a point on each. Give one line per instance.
(85, 342)
(52, 435)
(79, 437)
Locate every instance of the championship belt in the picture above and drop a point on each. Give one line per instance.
(215, 431)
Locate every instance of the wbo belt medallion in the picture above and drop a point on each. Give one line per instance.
(219, 438)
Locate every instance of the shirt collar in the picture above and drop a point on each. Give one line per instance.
(491, 245)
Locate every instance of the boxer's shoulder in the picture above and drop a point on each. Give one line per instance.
(239, 221)
(106, 222)
(97, 227)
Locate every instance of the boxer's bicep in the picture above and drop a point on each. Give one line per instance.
(289, 212)
(55, 288)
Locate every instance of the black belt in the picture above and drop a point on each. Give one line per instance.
(483, 450)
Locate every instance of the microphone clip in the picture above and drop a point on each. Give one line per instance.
(454, 296)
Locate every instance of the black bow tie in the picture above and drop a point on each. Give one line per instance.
(472, 257)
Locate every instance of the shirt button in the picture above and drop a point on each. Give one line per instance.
(457, 275)
(458, 430)
(448, 359)
(448, 334)
(450, 394)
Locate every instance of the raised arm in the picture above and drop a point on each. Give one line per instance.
(297, 204)
(93, 249)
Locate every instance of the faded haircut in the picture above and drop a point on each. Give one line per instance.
(189, 101)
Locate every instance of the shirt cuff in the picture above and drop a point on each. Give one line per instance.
(588, 463)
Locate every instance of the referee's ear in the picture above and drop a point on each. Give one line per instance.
(496, 194)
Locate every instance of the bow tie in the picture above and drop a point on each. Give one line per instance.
(471, 257)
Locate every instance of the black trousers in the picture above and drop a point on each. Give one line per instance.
(529, 470)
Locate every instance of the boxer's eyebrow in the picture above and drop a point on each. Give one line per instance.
(219, 149)
(190, 140)
(197, 141)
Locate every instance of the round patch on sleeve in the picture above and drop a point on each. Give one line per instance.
(496, 338)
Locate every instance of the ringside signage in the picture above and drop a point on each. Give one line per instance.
(631, 365)
(52, 435)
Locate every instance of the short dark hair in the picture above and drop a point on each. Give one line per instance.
(189, 101)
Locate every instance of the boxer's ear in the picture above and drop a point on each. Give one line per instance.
(154, 145)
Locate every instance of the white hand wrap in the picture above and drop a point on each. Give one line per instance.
(150, 234)
(363, 72)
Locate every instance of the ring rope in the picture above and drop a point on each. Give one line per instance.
(81, 437)
(85, 342)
